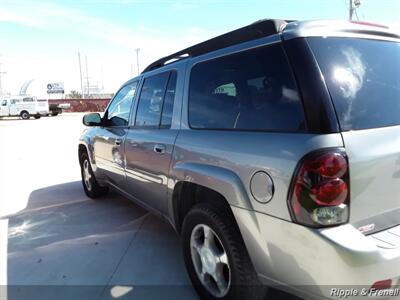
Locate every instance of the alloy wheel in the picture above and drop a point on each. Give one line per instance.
(210, 260)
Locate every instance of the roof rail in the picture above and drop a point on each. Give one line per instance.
(253, 31)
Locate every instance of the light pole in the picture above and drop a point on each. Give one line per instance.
(137, 59)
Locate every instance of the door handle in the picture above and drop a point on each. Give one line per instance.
(118, 142)
(159, 148)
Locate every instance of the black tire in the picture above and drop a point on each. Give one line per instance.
(24, 115)
(94, 190)
(54, 114)
(243, 278)
(37, 117)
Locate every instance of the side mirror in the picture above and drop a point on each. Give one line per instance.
(92, 119)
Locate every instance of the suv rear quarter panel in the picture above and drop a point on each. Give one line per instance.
(243, 154)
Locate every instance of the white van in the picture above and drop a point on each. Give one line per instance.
(23, 106)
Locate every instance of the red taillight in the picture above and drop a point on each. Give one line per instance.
(331, 192)
(330, 165)
(382, 285)
(319, 194)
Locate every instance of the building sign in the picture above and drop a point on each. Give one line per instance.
(55, 88)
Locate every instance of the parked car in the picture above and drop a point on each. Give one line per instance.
(23, 106)
(273, 150)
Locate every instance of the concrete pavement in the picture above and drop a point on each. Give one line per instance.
(55, 243)
(62, 245)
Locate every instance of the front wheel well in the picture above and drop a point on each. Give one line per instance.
(82, 149)
(188, 194)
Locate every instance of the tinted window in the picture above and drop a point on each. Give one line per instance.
(169, 102)
(151, 99)
(28, 100)
(363, 77)
(4, 103)
(251, 90)
(119, 109)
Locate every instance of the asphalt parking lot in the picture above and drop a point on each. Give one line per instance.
(55, 243)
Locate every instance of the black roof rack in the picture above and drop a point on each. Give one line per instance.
(253, 31)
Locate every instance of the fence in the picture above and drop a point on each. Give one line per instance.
(82, 105)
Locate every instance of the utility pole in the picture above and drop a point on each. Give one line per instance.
(87, 77)
(1, 75)
(351, 9)
(80, 74)
(353, 5)
(137, 59)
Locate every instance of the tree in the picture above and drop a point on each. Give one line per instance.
(73, 95)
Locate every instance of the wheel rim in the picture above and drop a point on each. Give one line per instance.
(87, 176)
(210, 260)
(24, 115)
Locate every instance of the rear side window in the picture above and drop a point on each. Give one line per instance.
(250, 90)
(150, 101)
(168, 104)
(156, 101)
(363, 78)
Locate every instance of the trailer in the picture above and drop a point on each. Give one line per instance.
(23, 107)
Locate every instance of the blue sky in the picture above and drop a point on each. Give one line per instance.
(40, 39)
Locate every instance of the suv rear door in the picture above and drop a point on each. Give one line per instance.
(150, 141)
(363, 78)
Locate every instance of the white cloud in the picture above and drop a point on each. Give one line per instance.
(10, 17)
(114, 59)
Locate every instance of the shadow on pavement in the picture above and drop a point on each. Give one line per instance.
(66, 246)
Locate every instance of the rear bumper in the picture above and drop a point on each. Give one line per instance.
(309, 262)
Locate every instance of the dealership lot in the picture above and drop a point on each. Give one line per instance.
(56, 241)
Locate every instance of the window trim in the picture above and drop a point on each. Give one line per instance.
(268, 44)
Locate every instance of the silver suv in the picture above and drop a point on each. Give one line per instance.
(273, 150)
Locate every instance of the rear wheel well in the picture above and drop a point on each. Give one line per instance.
(188, 194)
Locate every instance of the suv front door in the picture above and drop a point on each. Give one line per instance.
(109, 141)
(149, 143)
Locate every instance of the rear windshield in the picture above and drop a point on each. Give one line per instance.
(363, 78)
